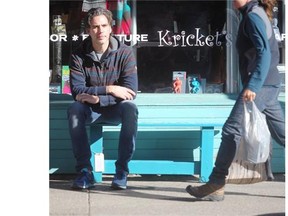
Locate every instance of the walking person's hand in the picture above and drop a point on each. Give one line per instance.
(249, 95)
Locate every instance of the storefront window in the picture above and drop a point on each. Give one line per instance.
(191, 40)
(185, 36)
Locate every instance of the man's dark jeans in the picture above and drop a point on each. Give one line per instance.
(80, 115)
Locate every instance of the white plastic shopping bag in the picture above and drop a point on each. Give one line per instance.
(256, 135)
(243, 172)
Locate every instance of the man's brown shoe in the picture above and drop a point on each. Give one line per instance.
(208, 191)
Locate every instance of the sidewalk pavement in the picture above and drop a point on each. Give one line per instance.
(164, 195)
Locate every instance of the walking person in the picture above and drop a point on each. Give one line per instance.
(258, 59)
(104, 82)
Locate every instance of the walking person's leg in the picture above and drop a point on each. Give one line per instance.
(231, 136)
(275, 120)
(267, 102)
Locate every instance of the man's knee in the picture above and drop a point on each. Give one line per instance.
(129, 107)
(129, 112)
(76, 108)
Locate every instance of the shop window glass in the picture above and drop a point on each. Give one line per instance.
(182, 36)
(170, 38)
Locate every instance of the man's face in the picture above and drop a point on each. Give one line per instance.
(100, 30)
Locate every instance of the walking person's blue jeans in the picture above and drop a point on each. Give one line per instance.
(80, 115)
(267, 102)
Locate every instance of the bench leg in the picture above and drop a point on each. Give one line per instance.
(96, 146)
(206, 153)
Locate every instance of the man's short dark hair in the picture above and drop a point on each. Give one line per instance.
(97, 12)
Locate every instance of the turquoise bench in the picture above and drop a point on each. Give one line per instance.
(175, 135)
(170, 113)
(158, 167)
(161, 113)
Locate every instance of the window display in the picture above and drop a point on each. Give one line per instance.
(194, 37)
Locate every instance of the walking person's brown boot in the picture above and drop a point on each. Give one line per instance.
(208, 191)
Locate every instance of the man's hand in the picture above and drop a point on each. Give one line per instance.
(249, 95)
(92, 99)
(120, 92)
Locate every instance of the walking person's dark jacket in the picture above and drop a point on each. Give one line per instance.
(258, 66)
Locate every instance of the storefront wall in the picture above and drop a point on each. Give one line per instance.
(168, 37)
(194, 37)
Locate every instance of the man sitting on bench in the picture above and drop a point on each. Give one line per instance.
(104, 82)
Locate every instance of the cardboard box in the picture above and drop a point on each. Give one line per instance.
(179, 82)
(65, 80)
